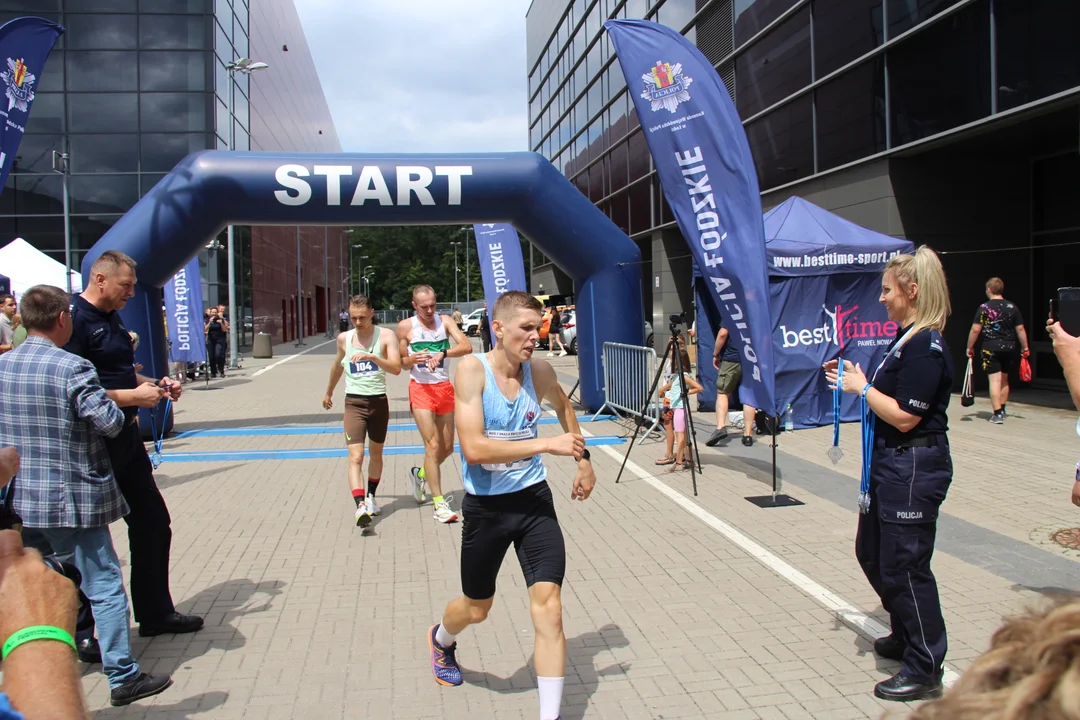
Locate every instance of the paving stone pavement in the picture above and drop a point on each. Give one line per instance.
(665, 617)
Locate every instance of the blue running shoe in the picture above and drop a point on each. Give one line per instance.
(443, 662)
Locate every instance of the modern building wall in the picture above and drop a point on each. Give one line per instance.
(950, 122)
(289, 114)
(131, 88)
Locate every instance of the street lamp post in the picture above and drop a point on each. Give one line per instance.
(245, 66)
(361, 258)
(455, 244)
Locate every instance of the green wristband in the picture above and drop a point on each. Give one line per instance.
(36, 632)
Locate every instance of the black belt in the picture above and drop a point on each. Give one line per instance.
(937, 440)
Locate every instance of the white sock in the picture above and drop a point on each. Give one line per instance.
(550, 697)
(444, 638)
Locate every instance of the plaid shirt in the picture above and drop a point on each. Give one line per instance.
(54, 410)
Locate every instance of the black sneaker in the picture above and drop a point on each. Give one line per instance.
(142, 686)
(718, 435)
(748, 440)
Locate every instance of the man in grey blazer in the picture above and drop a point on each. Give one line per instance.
(55, 411)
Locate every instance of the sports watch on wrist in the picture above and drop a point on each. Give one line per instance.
(585, 455)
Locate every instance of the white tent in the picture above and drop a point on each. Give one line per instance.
(27, 266)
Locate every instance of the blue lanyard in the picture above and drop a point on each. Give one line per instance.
(836, 402)
(159, 438)
(867, 443)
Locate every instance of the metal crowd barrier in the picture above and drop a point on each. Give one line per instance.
(628, 375)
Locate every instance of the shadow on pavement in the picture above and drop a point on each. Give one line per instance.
(189, 708)
(168, 480)
(220, 604)
(1051, 592)
(582, 677)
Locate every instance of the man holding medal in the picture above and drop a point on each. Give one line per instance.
(907, 471)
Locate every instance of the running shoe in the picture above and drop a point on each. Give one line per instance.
(444, 514)
(997, 418)
(372, 508)
(363, 516)
(443, 661)
(419, 486)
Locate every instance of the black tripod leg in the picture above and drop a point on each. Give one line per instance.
(645, 408)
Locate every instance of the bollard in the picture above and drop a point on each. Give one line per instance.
(262, 347)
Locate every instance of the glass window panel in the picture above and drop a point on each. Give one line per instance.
(169, 32)
(1056, 185)
(844, 30)
(1037, 43)
(51, 77)
(173, 6)
(221, 77)
(940, 77)
(243, 139)
(46, 114)
(87, 230)
(22, 7)
(676, 14)
(592, 24)
(102, 71)
(100, 32)
(44, 233)
(99, 6)
(240, 43)
(241, 12)
(173, 112)
(222, 44)
(240, 107)
(103, 193)
(638, 156)
(103, 112)
(851, 115)
(906, 14)
(640, 210)
(753, 15)
(147, 183)
(161, 153)
(619, 207)
(782, 144)
(110, 153)
(635, 9)
(221, 119)
(32, 195)
(223, 8)
(35, 153)
(774, 67)
(167, 70)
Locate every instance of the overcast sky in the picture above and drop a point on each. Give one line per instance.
(422, 75)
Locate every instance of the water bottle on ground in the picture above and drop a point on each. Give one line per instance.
(789, 419)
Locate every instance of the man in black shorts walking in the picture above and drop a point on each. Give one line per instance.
(1001, 325)
(508, 499)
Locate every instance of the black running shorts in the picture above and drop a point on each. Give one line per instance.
(995, 361)
(525, 518)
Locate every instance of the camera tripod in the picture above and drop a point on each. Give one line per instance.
(672, 351)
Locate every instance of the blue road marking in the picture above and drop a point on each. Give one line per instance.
(334, 429)
(323, 453)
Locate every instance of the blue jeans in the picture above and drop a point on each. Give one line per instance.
(92, 551)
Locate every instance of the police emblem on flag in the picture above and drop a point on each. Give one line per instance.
(20, 85)
(666, 86)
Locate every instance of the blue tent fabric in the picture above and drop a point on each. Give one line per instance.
(824, 284)
(802, 239)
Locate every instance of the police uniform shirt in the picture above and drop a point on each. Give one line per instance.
(919, 377)
(101, 338)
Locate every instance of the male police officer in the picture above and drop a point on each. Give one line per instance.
(99, 336)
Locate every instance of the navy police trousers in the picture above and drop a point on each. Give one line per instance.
(895, 542)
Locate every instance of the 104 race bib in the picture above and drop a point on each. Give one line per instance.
(363, 368)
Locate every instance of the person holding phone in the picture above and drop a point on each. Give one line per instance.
(910, 470)
(1067, 351)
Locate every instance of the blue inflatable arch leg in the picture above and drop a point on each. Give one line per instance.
(209, 190)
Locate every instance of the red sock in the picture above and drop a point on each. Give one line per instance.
(358, 496)
(372, 485)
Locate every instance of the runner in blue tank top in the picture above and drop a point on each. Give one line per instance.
(507, 497)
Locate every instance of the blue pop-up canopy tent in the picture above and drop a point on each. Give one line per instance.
(824, 285)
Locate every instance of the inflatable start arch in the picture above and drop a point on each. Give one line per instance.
(211, 189)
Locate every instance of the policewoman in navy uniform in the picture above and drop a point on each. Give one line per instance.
(910, 471)
(99, 335)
